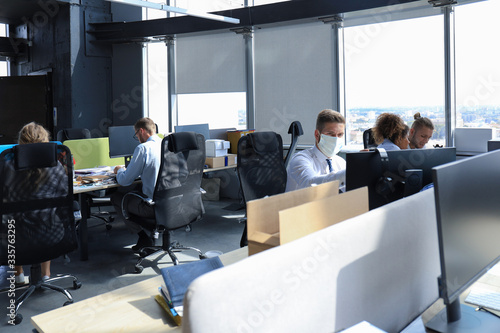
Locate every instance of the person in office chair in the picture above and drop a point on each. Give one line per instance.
(420, 132)
(320, 164)
(145, 163)
(44, 183)
(390, 132)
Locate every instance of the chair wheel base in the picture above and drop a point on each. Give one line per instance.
(18, 319)
(67, 303)
(77, 285)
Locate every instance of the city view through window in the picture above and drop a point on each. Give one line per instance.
(398, 67)
(394, 67)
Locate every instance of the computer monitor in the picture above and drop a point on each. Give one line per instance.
(122, 142)
(493, 145)
(467, 200)
(197, 128)
(403, 173)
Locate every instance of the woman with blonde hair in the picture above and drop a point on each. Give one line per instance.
(390, 132)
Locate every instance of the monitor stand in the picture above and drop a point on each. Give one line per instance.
(469, 320)
(127, 160)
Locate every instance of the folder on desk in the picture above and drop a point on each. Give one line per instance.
(178, 278)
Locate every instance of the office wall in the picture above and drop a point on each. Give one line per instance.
(80, 79)
(94, 85)
(293, 77)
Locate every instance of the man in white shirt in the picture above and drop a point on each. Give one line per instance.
(320, 164)
(145, 163)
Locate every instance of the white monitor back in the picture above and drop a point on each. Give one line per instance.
(473, 140)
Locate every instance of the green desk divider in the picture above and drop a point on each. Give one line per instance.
(91, 153)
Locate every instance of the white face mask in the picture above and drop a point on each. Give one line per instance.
(330, 145)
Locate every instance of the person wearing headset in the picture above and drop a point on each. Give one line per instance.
(320, 163)
(390, 132)
(420, 132)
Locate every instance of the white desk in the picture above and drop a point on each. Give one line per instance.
(128, 309)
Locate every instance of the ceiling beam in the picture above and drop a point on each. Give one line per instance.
(163, 7)
(271, 14)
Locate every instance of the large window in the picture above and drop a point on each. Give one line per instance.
(211, 80)
(156, 83)
(394, 67)
(478, 67)
(219, 110)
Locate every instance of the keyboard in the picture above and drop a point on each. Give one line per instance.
(484, 297)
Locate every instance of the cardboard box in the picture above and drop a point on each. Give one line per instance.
(215, 147)
(234, 137)
(231, 159)
(215, 162)
(221, 161)
(268, 227)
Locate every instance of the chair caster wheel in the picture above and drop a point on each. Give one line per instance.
(202, 256)
(18, 319)
(188, 228)
(77, 285)
(139, 269)
(108, 227)
(67, 303)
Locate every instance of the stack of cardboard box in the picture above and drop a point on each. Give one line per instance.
(217, 154)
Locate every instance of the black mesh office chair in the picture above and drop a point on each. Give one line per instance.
(295, 130)
(36, 205)
(177, 195)
(368, 140)
(261, 167)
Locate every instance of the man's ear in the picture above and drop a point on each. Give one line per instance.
(317, 135)
(412, 132)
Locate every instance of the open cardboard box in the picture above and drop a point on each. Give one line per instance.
(310, 217)
(263, 219)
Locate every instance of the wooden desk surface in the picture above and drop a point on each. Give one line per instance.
(128, 309)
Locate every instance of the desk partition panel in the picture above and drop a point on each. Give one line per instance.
(90, 153)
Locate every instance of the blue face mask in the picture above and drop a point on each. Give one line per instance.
(330, 145)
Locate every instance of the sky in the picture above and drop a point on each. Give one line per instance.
(402, 63)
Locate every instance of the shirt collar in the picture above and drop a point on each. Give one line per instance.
(318, 154)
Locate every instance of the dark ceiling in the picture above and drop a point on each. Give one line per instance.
(17, 11)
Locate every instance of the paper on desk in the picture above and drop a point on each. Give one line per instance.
(97, 170)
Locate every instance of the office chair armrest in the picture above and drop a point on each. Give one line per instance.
(145, 199)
